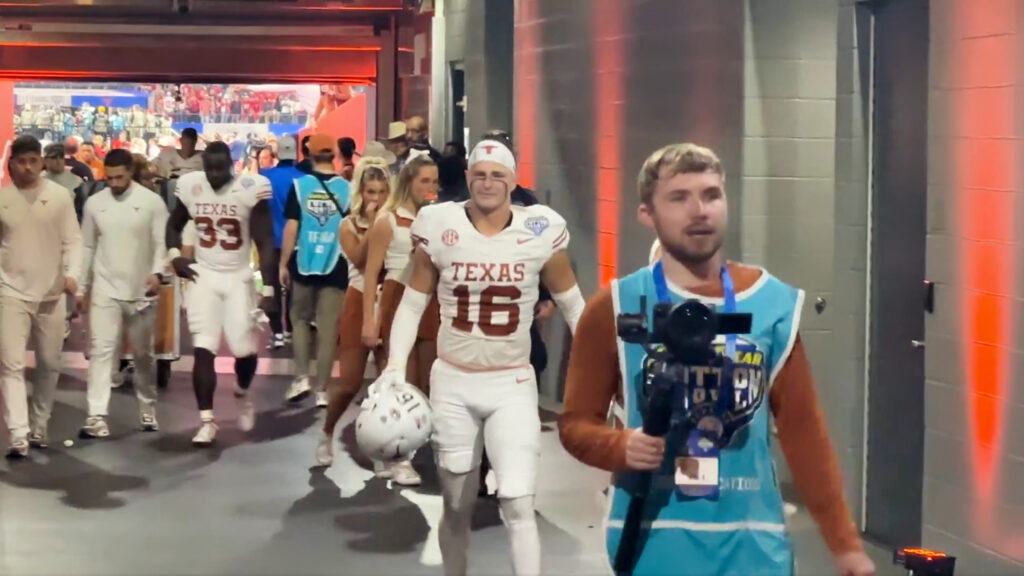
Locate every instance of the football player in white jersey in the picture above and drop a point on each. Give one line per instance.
(485, 257)
(228, 212)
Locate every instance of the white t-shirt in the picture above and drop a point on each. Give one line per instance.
(488, 286)
(222, 217)
(171, 163)
(123, 242)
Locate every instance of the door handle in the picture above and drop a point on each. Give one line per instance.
(917, 343)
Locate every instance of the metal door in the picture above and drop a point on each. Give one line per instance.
(895, 434)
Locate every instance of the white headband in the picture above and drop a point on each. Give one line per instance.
(493, 151)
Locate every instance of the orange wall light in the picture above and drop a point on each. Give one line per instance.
(609, 99)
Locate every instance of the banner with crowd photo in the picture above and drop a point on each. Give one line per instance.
(62, 97)
(210, 130)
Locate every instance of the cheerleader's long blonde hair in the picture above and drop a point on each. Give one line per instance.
(368, 169)
(403, 188)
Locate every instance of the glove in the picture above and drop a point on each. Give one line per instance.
(389, 378)
(183, 268)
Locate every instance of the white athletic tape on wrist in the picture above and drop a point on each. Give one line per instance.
(571, 303)
(493, 151)
(404, 328)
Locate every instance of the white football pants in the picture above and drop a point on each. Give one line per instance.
(499, 410)
(223, 303)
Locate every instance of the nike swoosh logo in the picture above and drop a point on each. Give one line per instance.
(522, 380)
(523, 240)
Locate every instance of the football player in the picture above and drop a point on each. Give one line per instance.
(485, 257)
(228, 212)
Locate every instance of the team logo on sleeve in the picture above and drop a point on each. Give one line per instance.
(537, 224)
(450, 237)
(247, 182)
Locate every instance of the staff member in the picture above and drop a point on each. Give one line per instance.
(312, 260)
(714, 507)
(40, 252)
(282, 177)
(123, 234)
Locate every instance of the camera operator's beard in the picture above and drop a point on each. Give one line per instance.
(688, 256)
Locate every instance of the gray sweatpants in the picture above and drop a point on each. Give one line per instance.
(323, 304)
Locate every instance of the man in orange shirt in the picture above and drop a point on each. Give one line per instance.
(713, 503)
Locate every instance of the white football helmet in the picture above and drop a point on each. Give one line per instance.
(394, 422)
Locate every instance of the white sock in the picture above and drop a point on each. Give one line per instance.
(459, 492)
(206, 415)
(520, 518)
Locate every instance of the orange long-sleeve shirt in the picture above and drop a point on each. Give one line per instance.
(594, 380)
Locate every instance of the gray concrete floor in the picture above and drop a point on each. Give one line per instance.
(151, 504)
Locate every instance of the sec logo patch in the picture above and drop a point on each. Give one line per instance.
(450, 237)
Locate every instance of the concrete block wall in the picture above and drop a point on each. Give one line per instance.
(842, 380)
(974, 391)
(789, 152)
(804, 211)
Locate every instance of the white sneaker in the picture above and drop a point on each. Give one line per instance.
(324, 450)
(404, 474)
(95, 427)
(246, 414)
(276, 342)
(382, 470)
(18, 447)
(321, 399)
(38, 438)
(789, 509)
(147, 418)
(207, 433)
(298, 389)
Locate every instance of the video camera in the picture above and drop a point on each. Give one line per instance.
(682, 335)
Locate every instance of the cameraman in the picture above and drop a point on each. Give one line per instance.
(740, 527)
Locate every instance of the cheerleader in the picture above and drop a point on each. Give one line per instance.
(372, 184)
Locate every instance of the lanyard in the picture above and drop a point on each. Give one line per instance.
(661, 288)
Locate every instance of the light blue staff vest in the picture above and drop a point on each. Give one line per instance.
(743, 532)
(318, 246)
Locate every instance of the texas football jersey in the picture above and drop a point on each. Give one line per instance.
(488, 286)
(222, 217)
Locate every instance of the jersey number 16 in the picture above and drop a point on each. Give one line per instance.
(488, 308)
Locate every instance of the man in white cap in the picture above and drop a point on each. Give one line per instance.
(281, 179)
(486, 258)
